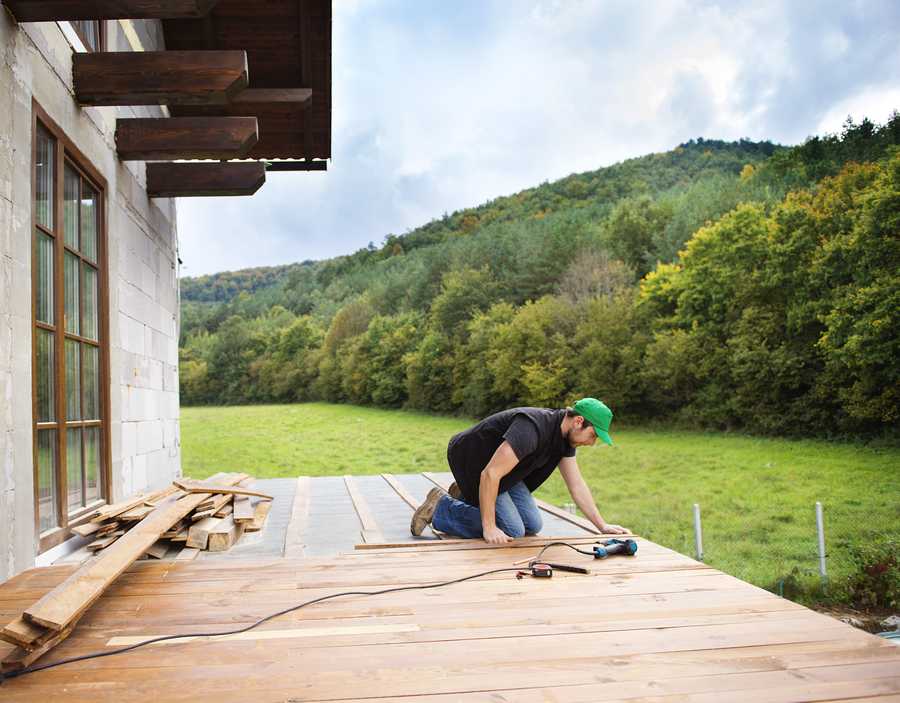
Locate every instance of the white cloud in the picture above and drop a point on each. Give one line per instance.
(439, 106)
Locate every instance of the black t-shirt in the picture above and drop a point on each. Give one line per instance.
(534, 435)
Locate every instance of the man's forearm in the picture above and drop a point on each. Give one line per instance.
(487, 499)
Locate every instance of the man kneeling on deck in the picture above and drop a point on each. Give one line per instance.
(499, 462)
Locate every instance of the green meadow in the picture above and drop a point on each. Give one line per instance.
(757, 495)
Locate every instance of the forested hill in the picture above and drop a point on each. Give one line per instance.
(686, 164)
(737, 285)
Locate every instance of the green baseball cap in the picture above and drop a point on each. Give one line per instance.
(596, 412)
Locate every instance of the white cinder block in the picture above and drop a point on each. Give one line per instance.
(138, 473)
(129, 439)
(149, 436)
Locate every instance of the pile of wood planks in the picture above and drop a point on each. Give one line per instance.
(212, 514)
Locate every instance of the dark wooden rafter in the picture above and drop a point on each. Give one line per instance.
(159, 77)
(311, 165)
(273, 96)
(174, 180)
(143, 139)
(61, 10)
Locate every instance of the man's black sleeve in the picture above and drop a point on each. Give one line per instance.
(522, 436)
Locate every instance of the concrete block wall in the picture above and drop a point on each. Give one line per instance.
(36, 63)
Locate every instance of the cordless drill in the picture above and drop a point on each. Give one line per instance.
(609, 547)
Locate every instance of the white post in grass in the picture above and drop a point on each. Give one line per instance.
(698, 532)
(820, 527)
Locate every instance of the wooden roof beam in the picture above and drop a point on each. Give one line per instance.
(142, 139)
(301, 165)
(177, 180)
(159, 77)
(268, 96)
(57, 10)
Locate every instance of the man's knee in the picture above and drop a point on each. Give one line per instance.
(513, 530)
(533, 523)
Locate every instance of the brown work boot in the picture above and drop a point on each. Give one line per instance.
(422, 517)
(454, 491)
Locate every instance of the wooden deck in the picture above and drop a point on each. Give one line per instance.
(658, 626)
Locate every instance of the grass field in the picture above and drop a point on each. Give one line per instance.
(757, 495)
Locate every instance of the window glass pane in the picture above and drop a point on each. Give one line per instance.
(47, 480)
(73, 381)
(72, 269)
(89, 304)
(70, 206)
(44, 278)
(92, 462)
(43, 191)
(91, 361)
(45, 377)
(73, 468)
(88, 221)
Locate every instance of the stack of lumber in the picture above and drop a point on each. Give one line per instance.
(215, 524)
(212, 514)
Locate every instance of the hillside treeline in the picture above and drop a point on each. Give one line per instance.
(726, 285)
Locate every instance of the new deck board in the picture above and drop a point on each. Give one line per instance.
(658, 625)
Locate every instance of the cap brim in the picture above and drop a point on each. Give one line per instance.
(604, 435)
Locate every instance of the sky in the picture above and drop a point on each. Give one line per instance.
(441, 105)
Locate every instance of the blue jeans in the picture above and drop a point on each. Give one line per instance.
(516, 514)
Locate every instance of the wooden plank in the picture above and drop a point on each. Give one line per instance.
(137, 513)
(20, 657)
(437, 479)
(268, 96)
(67, 10)
(223, 536)
(198, 534)
(197, 487)
(23, 634)
(65, 603)
(224, 511)
(243, 509)
(158, 77)
(262, 635)
(154, 139)
(260, 513)
(104, 542)
(158, 549)
(110, 511)
(584, 524)
(175, 180)
(370, 531)
(155, 497)
(187, 554)
(86, 529)
(401, 491)
(294, 539)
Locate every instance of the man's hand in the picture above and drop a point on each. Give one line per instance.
(495, 535)
(608, 529)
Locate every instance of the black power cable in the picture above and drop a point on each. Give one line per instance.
(97, 655)
(560, 544)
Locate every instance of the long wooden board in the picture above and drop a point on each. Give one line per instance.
(370, 531)
(65, 603)
(198, 487)
(294, 535)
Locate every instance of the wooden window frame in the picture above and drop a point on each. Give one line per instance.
(101, 35)
(65, 152)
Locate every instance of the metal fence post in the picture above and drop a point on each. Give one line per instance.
(820, 528)
(698, 532)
